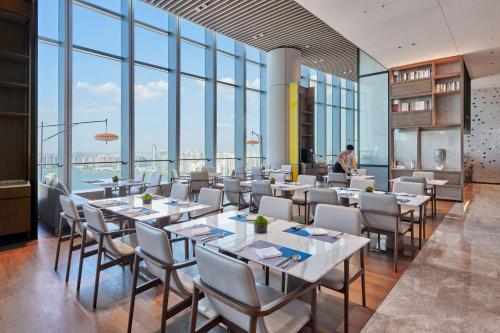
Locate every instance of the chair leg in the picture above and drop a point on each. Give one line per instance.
(378, 242)
(194, 310)
(132, 295)
(82, 255)
(164, 308)
(267, 275)
(59, 239)
(346, 295)
(70, 249)
(396, 250)
(97, 271)
(283, 280)
(412, 240)
(363, 282)
(314, 321)
(186, 249)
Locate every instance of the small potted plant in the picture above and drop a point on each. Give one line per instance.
(272, 180)
(146, 199)
(260, 225)
(115, 179)
(369, 189)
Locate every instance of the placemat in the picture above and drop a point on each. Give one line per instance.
(305, 233)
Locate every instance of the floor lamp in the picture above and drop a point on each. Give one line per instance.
(106, 136)
(256, 141)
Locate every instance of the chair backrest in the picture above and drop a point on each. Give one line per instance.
(276, 207)
(62, 187)
(232, 189)
(425, 174)
(371, 203)
(409, 187)
(361, 183)
(260, 189)
(256, 173)
(179, 191)
(239, 173)
(306, 179)
(286, 167)
(154, 184)
(337, 178)
(139, 176)
(95, 219)
(154, 242)
(280, 177)
(407, 179)
(199, 180)
(236, 283)
(338, 218)
(175, 174)
(71, 212)
(211, 197)
(362, 172)
(323, 196)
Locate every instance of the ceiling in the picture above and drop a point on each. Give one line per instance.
(269, 24)
(399, 32)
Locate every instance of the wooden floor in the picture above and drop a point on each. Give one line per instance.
(35, 298)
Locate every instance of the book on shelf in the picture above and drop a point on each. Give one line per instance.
(418, 74)
(406, 106)
(448, 86)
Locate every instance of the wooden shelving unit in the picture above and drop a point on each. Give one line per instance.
(446, 86)
(306, 120)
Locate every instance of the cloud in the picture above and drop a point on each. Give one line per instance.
(100, 89)
(227, 80)
(151, 90)
(255, 84)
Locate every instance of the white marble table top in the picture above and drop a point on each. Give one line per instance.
(324, 255)
(434, 182)
(282, 186)
(354, 176)
(269, 171)
(414, 200)
(110, 183)
(157, 209)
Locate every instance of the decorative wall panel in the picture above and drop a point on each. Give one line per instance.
(482, 145)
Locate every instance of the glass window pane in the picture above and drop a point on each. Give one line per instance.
(343, 128)
(151, 47)
(253, 125)
(151, 120)
(114, 5)
(48, 109)
(225, 129)
(96, 96)
(225, 44)
(192, 125)
(225, 68)
(48, 18)
(252, 53)
(329, 134)
(96, 31)
(313, 74)
(329, 94)
(192, 59)
(342, 98)
(192, 31)
(150, 14)
(253, 76)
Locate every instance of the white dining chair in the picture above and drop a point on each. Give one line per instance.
(347, 220)
(175, 176)
(361, 183)
(382, 215)
(299, 198)
(154, 187)
(321, 196)
(244, 305)
(139, 177)
(337, 179)
(155, 248)
(197, 181)
(257, 173)
(259, 190)
(287, 168)
(180, 192)
(211, 197)
(418, 217)
(425, 174)
(234, 193)
(278, 208)
(278, 176)
(121, 249)
(240, 173)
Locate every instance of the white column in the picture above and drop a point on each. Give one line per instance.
(283, 68)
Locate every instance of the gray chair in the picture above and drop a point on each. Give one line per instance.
(198, 180)
(139, 177)
(175, 176)
(321, 196)
(418, 216)
(239, 173)
(234, 193)
(120, 249)
(278, 208)
(211, 197)
(280, 177)
(362, 183)
(299, 198)
(177, 277)
(259, 190)
(382, 215)
(347, 220)
(178, 191)
(257, 173)
(337, 179)
(154, 187)
(429, 189)
(244, 305)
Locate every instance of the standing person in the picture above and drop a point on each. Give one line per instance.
(346, 161)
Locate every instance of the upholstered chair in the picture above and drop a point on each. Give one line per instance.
(279, 176)
(139, 177)
(178, 191)
(337, 179)
(361, 184)
(300, 197)
(259, 190)
(257, 173)
(321, 196)
(154, 187)
(211, 197)
(278, 208)
(418, 216)
(198, 180)
(234, 193)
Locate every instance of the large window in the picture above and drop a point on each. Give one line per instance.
(168, 112)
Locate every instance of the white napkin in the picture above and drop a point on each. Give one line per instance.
(134, 211)
(251, 217)
(183, 203)
(200, 231)
(317, 231)
(268, 252)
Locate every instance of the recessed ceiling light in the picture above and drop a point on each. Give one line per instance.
(492, 52)
(400, 47)
(365, 11)
(308, 46)
(383, 5)
(321, 60)
(492, 63)
(315, 61)
(413, 44)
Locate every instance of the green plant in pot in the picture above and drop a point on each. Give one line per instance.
(260, 225)
(369, 189)
(147, 198)
(272, 180)
(115, 179)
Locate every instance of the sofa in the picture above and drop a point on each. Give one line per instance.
(49, 207)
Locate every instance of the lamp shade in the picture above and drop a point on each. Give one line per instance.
(106, 137)
(252, 142)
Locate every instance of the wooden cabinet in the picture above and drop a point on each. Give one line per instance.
(411, 88)
(411, 118)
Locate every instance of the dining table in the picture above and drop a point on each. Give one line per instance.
(233, 233)
(415, 201)
(108, 184)
(159, 210)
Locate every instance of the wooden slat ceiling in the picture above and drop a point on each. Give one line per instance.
(269, 24)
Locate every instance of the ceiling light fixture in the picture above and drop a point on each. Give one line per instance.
(202, 6)
(308, 46)
(492, 52)
(413, 44)
(365, 11)
(400, 47)
(492, 63)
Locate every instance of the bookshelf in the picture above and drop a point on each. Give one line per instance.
(429, 109)
(306, 122)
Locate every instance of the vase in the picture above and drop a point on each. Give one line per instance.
(146, 201)
(439, 158)
(260, 229)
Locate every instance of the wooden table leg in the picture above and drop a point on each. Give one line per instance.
(346, 295)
